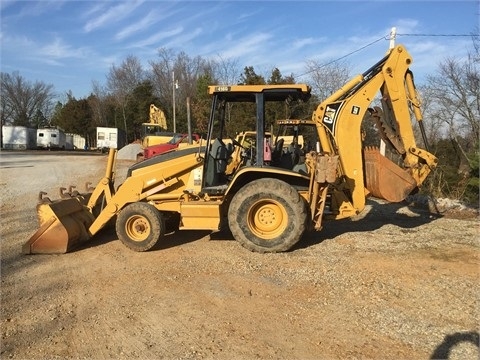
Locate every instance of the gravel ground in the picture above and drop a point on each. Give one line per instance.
(395, 282)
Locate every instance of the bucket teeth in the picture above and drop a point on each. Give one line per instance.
(88, 187)
(73, 192)
(64, 194)
(43, 199)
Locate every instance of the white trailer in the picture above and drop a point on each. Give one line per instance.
(51, 138)
(18, 137)
(75, 142)
(110, 138)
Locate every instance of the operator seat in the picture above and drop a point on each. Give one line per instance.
(277, 152)
(216, 165)
(230, 149)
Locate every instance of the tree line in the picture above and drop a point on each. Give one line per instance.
(450, 95)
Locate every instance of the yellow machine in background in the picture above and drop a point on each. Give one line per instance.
(267, 203)
(155, 131)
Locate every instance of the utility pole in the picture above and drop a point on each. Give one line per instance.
(393, 35)
(189, 125)
(174, 87)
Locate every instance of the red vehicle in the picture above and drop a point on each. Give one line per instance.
(178, 140)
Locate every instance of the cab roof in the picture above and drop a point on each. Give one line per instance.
(238, 93)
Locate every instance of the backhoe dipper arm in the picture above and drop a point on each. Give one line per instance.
(157, 116)
(339, 119)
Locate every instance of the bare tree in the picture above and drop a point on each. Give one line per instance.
(455, 91)
(162, 73)
(326, 79)
(21, 99)
(177, 73)
(122, 80)
(476, 46)
(433, 125)
(226, 71)
(22, 102)
(97, 103)
(187, 71)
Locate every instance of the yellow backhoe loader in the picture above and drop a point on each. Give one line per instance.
(154, 131)
(266, 201)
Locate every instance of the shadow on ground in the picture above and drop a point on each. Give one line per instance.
(170, 240)
(376, 214)
(442, 351)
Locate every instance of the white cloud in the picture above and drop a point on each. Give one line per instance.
(37, 8)
(52, 53)
(407, 25)
(151, 18)
(300, 43)
(180, 41)
(246, 16)
(10, 42)
(246, 45)
(59, 50)
(97, 8)
(156, 38)
(112, 15)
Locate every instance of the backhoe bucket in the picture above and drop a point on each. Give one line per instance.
(384, 179)
(63, 225)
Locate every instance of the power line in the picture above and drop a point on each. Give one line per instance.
(346, 55)
(386, 37)
(353, 52)
(444, 35)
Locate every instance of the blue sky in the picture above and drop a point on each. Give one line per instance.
(71, 43)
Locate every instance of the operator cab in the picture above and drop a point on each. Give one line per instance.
(244, 107)
(293, 140)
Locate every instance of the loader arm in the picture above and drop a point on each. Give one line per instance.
(170, 173)
(339, 119)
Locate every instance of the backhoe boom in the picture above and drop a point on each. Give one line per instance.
(339, 119)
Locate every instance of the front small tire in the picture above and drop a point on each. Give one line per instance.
(140, 226)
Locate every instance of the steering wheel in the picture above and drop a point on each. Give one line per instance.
(236, 143)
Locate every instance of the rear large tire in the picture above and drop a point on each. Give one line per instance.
(139, 226)
(267, 215)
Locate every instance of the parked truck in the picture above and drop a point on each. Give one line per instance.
(178, 141)
(51, 138)
(267, 205)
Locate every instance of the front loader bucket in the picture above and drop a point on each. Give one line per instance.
(384, 179)
(63, 225)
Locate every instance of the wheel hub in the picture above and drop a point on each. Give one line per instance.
(137, 228)
(267, 219)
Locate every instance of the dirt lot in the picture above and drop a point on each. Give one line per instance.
(397, 282)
